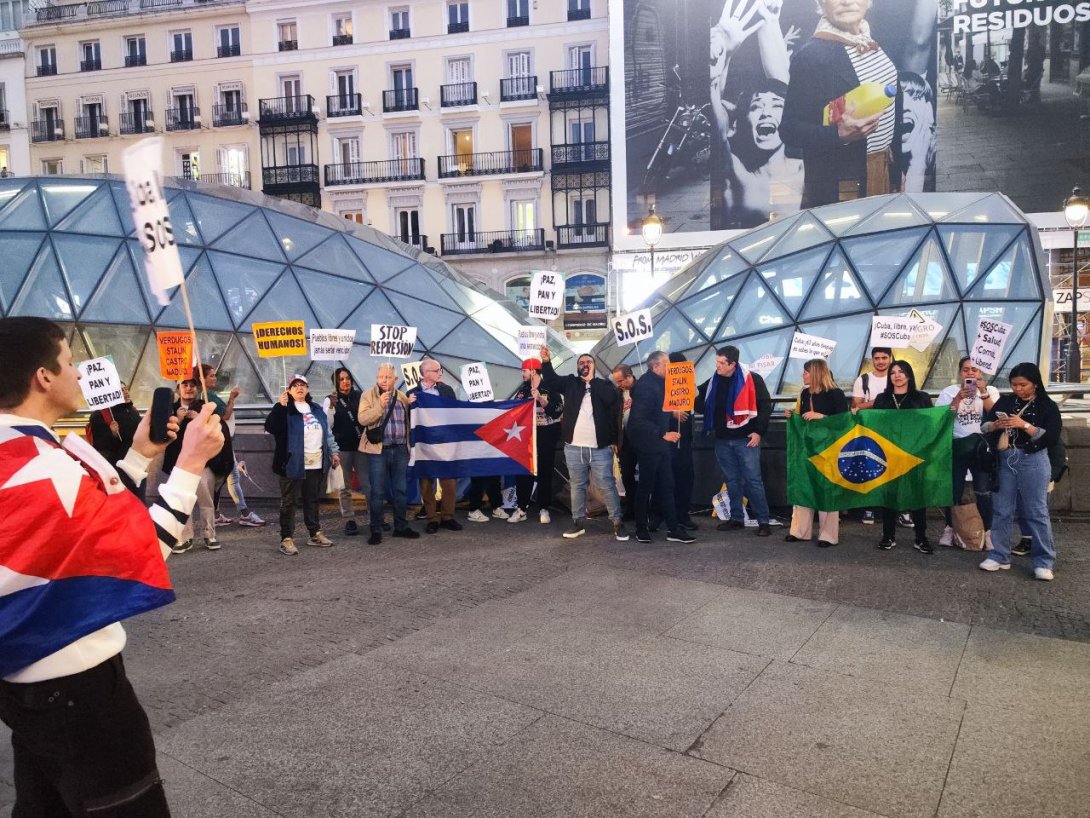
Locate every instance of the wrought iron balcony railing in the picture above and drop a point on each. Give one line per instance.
(280, 109)
(183, 119)
(516, 88)
(90, 65)
(342, 39)
(486, 164)
(400, 99)
(132, 123)
(226, 115)
(343, 105)
(233, 50)
(583, 153)
(45, 130)
(497, 241)
(582, 235)
(278, 175)
(92, 127)
(181, 55)
(364, 173)
(580, 81)
(457, 94)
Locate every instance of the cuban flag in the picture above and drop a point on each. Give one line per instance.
(454, 438)
(77, 550)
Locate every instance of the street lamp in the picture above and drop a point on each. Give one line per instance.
(1076, 209)
(652, 232)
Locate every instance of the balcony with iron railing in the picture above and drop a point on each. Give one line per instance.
(457, 94)
(400, 33)
(580, 82)
(224, 116)
(233, 50)
(521, 20)
(90, 65)
(496, 241)
(593, 234)
(278, 176)
(134, 123)
(183, 119)
(92, 127)
(487, 164)
(102, 8)
(134, 60)
(287, 109)
(342, 39)
(580, 156)
(45, 130)
(181, 55)
(514, 89)
(578, 13)
(400, 99)
(367, 173)
(240, 179)
(458, 28)
(343, 105)
(287, 45)
(47, 69)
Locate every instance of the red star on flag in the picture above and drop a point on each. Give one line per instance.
(513, 434)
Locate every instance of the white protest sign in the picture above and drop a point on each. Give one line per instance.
(923, 334)
(633, 327)
(991, 338)
(893, 331)
(810, 346)
(331, 344)
(764, 365)
(142, 163)
(476, 383)
(410, 373)
(546, 295)
(100, 383)
(392, 341)
(531, 340)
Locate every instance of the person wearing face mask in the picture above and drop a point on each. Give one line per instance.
(547, 412)
(591, 432)
(341, 409)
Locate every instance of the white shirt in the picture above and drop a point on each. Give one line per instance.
(876, 385)
(312, 436)
(969, 413)
(585, 434)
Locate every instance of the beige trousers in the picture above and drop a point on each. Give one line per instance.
(802, 524)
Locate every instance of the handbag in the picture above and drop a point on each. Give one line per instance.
(335, 481)
(968, 526)
(375, 434)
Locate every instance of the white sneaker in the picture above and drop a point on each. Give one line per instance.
(991, 565)
(251, 519)
(545, 517)
(500, 514)
(517, 516)
(987, 541)
(1044, 574)
(477, 516)
(223, 519)
(947, 537)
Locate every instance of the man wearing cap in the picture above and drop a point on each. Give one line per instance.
(441, 515)
(547, 411)
(384, 414)
(305, 450)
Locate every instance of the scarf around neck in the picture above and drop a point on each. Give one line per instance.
(862, 41)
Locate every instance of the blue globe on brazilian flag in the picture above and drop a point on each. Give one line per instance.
(875, 458)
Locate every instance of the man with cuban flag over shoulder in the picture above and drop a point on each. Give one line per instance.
(78, 553)
(737, 407)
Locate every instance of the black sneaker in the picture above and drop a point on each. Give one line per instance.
(1022, 548)
(643, 535)
(885, 545)
(421, 515)
(764, 530)
(924, 546)
(375, 538)
(730, 525)
(680, 535)
(577, 528)
(431, 528)
(351, 529)
(451, 525)
(407, 533)
(620, 533)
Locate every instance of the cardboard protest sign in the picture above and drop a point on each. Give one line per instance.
(331, 344)
(633, 327)
(546, 295)
(531, 340)
(392, 341)
(100, 383)
(893, 331)
(476, 383)
(279, 339)
(162, 263)
(987, 349)
(680, 387)
(924, 331)
(764, 365)
(810, 346)
(410, 373)
(175, 355)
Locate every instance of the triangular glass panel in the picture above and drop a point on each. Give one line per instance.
(296, 236)
(468, 340)
(707, 308)
(124, 343)
(78, 345)
(498, 317)
(415, 281)
(381, 263)
(1012, 276)
(9, 189)
(84, 260)
(24, 212)
(61, 196)
(97, 215)
(333, 256)
(705, 363)
(124, 206)
(948, 317)
(216, 216)
(610, 356)
(20, 250)
(234, 368)
(940, 205)
(791, 278)
(184, 224)
(209, 311)
(944, 365)
(377, 309)
(806, 232)
(837, 291)
(673, 331)
(776, 344)
(851, 333)
(925, 279)
(466, 297)
(252, 238)
(992, 209)
(754, 245)
(725, 263)
(243, 281)
(1022, 349)
(973, 249)
(432, 323)
(43, 292)
(840, 217)
(754, 309)
(877, 259)
(114, 300)
(896, 214)
(284, 302)
(332, 297)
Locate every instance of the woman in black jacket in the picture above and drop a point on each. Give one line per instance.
(901, 393)
(548, 407)
(1029, 421)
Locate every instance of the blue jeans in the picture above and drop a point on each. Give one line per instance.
(585, 463)
(741, 467)
(386, 470)
(1023, 485)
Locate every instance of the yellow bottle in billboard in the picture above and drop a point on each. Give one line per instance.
(870, 98)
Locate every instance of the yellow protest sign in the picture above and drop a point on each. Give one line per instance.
(175, 355)
(680, 387)
(278, 339)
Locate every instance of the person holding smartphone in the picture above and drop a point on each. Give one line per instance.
(969, 399)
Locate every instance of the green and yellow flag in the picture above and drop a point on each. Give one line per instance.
(883, 458)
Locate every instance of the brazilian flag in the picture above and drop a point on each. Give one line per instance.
(882, 458)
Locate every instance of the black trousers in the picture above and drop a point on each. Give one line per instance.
(626, 459)
(547, 438)
(684, 477)
(82, 747)
(309, 491)
(656, 480)
(889, 523)
(479, 487)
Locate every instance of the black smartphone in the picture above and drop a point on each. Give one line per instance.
(162, 401)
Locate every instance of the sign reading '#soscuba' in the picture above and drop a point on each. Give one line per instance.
(636, 326)
(175, 355)
(680, 393)
(100, 383)
(546, 295)
(991, 338)
(278, 339)
(331, 344)
(142, 162)
(476, 383)
(392, 341)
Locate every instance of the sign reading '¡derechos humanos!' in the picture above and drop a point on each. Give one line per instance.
(279, 339)
(636, 326)
(392, 341)
(546, 295)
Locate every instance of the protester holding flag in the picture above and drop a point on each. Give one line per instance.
(439, 515)
(867, 387)
(111, 430)
(304, 451)
(547, 412)
(901, 393)
(1025, 422)
(737, 408)
(384, 414)
(80, 553)
(342, 409)
(819, 399)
